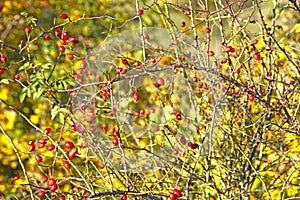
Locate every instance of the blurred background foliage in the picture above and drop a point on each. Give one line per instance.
(279, 154)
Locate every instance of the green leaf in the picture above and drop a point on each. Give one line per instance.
(4, 81)
(27, 65)
(23, 94)
(56, 110)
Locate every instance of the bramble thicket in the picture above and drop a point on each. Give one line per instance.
(149, 99)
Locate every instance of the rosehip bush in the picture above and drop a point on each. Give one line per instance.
(149, 100)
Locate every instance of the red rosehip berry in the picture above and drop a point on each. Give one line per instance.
(73, 128)
(281, 63)
(1, 8)
(228, 49)
(17, 77)
(251, 98)
(83, 191)
(224, 60)
(72, 155)
(16, 177)
(177, 192)
(115, 141)
(71, 56)
(141, 11)
(254, 42)
(51, 181)
(136, 96)
(187, 12)
(3, 59)
(257, 56)
(67, 164)
(47, 130)
(124, 61)
(2, 70)
(61, 49)
(61, 197)
(41, 193)
(65, 35)
(31, 147)
(51, 147)
(207, 30)
(57, 32)
(211, 53)
(47, 36)
(62, 41)
(172, 196)
(53, 188)
(69, 144)
(64, 16)
(182, 24)
(28, 30)
(73, 40)
(124, 197)
(38, 158)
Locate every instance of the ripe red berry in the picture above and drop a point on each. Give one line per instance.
(47, 36)
(30, 142)
(224, 60)
(65, 35)
(211, 53)
(45, 179)
(193, 145)
(16, 177)
(73, 40)
(51, 181)
(83, 191)
(187, 12)
(72, 155)
(172, 196)
(178, 116)
(124, 197)
(61, 197)
(124, 61)
(136, 96)
(207, 30)
(31, 147)
(53, 187)
(73, 128)
(57, 32)
(251, 98)
(38, 158)
(1, 8)
(47, 130)
(62, 41)
(257, 56)
(69, 144)
(41, 193)
(64, 16)
(182, 24)
(254, 42)
(3, 59)
(71, 56)
(115, 141)
(51, 147)
(28, 30)
(67, 164)
(177, 192)
(2, 70)
(194, 79)
(61, 49)
(228, 49)
(281, 63)
(141, 11)
(101, 166)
